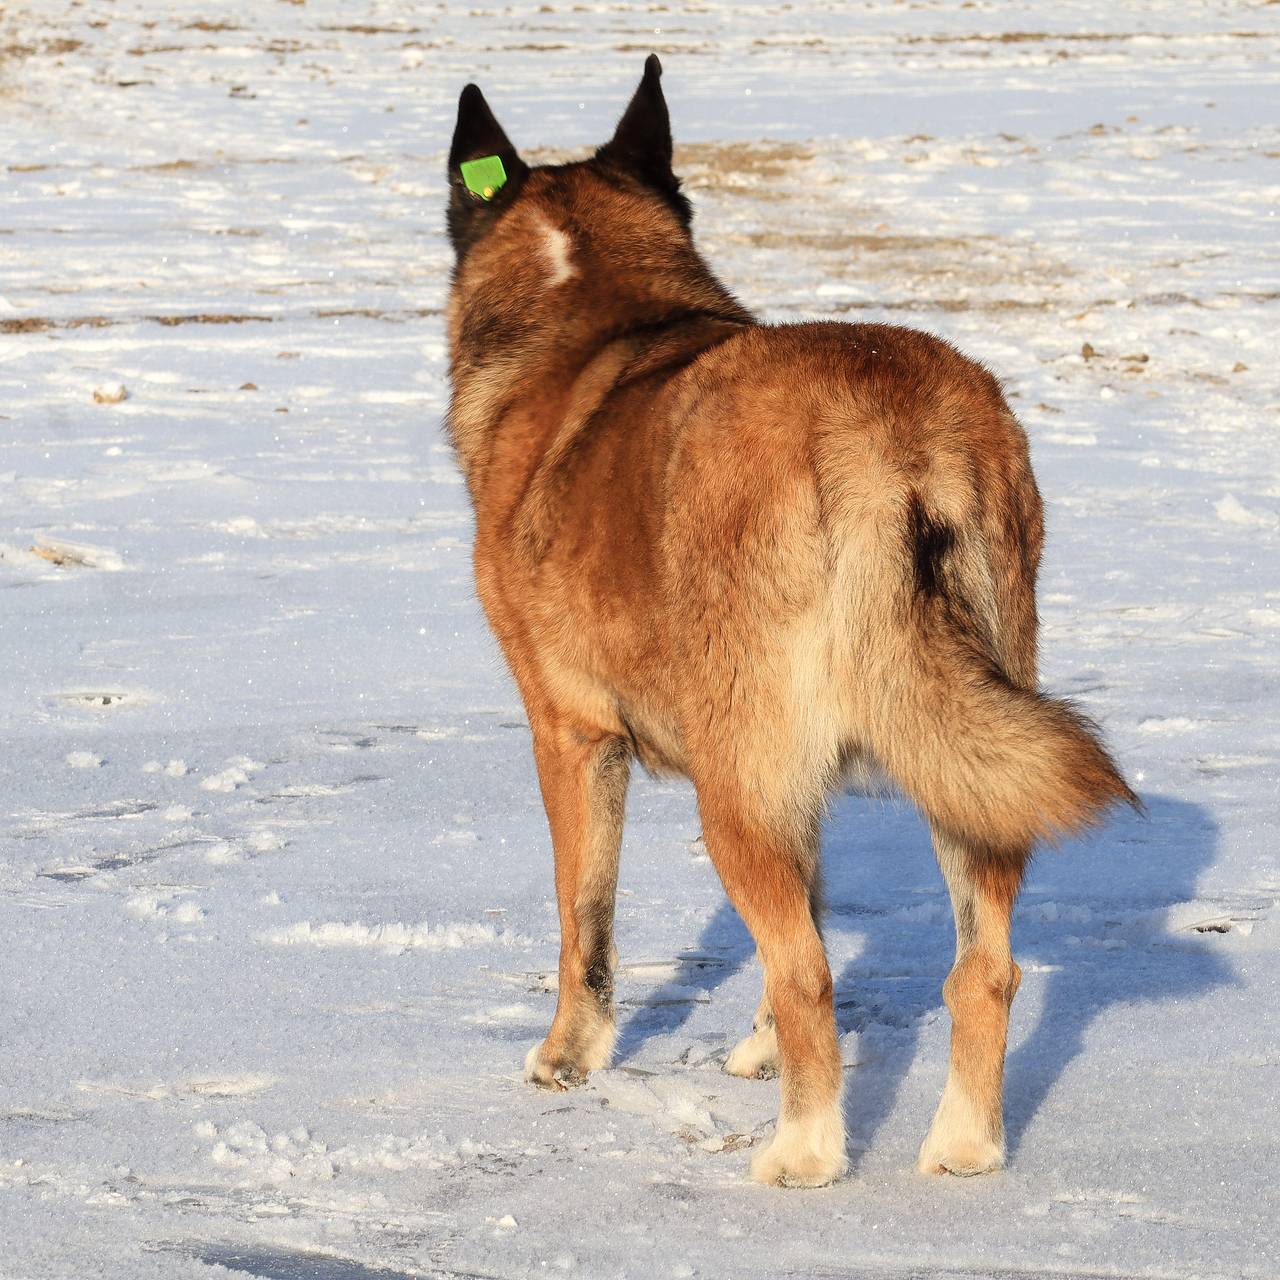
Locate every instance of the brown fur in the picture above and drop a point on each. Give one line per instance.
(751, 555)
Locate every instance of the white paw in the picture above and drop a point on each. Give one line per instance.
(598, 1052)
(595, 1055)
(537, 1070)
(805, 1152)
(963, 1160)
(959, 1141)
(756, 1056)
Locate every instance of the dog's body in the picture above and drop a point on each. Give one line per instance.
(755, 556)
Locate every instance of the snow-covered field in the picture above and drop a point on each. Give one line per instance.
(275, 889)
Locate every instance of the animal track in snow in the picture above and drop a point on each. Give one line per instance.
(70, 872)
(1168, 724)
(161, 906)
(99, 699)
(657, 971)
(273, 1260)
(40, 822)
(677, 1105)
(347, 740)
(393, 938)
(249, 1084)
(174, 769)
(238, 771)
(314, 790)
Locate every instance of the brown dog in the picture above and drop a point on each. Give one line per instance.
(758, 556)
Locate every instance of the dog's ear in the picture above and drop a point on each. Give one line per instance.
(641, 144)
(485, 171)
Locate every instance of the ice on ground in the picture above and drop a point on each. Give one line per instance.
(1233, 511)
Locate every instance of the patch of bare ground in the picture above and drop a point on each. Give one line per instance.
(147, 50)
(1066, 37)
(763, 160)
(950, 263)
(168, 166)
(191, 166)
(210, 318)
(38, 49)
(859, 242)
(17, 45)
(727, 166)
(44, 324)
(664, 50)
(949, 306)
(369, 29)
(27, 324)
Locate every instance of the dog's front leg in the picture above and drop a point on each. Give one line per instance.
(584, 783)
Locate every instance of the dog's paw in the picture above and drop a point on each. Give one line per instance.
(960, 1141)
(756, 1056)
(964, 1159)
(549, 1075)
(550, 1071)
(808, 1152)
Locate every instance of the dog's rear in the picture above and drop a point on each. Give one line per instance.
(755, 555)
(859, 498)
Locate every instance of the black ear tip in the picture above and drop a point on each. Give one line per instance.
(652, 67)
(471, 97)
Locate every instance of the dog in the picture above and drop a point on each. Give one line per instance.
(761, 557)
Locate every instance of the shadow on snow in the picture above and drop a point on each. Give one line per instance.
(1094, 935)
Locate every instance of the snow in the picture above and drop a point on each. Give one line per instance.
(393, 938)
(83, 760)
(238, 771)
(274, 959)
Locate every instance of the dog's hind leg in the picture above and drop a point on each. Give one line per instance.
(584, 784)
(967, 1135)
(769, 869)
(756, 1057)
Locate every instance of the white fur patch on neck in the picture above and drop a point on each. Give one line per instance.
(557, 251)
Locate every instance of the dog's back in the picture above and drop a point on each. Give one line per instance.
(828, 533)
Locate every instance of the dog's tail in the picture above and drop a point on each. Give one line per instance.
(996, 763)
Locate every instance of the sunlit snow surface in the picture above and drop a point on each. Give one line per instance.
(274, 879)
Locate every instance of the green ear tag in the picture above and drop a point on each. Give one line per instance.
(484, 177)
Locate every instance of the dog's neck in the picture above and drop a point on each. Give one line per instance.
(508, 347)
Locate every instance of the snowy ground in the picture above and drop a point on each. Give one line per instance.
(274, 881)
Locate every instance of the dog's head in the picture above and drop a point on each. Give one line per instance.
(542, 226)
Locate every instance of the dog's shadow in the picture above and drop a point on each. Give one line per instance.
(1091, 928)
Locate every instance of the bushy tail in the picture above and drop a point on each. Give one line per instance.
(996, 764)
